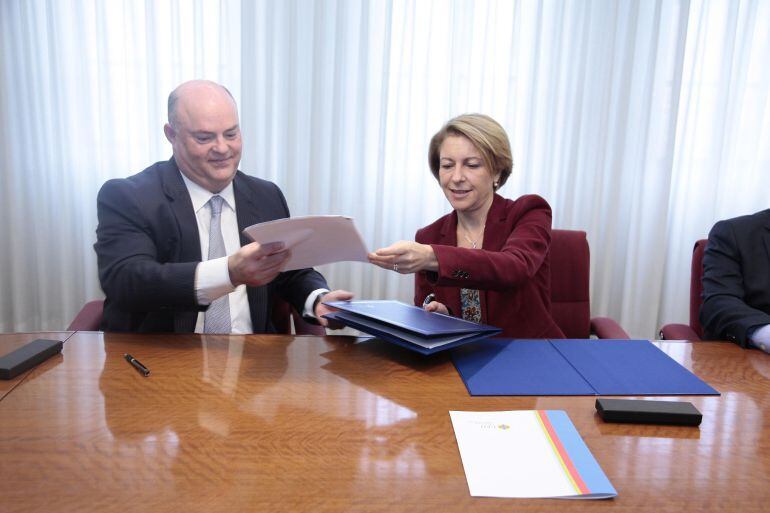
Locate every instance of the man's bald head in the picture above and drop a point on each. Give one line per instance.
(192, 86)
(204, 132)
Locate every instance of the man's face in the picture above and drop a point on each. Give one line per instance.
(206, 137)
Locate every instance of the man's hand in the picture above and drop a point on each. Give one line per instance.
(405, 257)
(321, 308)
(257, 264)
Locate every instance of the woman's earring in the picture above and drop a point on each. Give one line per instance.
(495, 184)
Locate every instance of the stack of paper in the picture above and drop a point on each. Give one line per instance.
(313, 240)
(409, 326)
(527, 454)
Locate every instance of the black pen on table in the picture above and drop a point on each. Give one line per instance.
(137, 364)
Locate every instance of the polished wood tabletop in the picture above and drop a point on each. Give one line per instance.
(11, 341)
(282, 423)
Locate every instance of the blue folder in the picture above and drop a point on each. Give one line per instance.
(573, 367)
(409, 326)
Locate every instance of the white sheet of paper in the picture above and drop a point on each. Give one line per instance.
(509, 454)
(313, 240)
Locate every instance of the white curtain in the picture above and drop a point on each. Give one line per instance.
(721, 164)
(83, 87)
(641, 123)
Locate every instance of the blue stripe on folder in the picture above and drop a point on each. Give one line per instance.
(573, 367)
(586, 465)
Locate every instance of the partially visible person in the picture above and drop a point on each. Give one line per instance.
(736, 281)
(170, 248)
(487, 261)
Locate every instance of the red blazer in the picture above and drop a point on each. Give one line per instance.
(512, 270)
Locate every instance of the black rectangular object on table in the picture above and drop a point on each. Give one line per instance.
(648, 412)
(27, 356)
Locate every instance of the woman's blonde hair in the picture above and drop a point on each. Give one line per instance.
(487, 136)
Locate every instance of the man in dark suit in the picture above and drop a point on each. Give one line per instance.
(154, 228)
(736, 281)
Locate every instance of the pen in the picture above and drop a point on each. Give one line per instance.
(137, 365)
(430, 297)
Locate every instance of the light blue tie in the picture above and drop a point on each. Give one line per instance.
(217, 317)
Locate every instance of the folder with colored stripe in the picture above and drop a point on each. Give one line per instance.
(527, 454)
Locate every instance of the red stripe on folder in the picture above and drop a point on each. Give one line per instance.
(562, 453)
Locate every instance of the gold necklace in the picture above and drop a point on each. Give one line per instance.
(471, 241)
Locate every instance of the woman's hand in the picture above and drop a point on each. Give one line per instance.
(405, 257)
(435, 306)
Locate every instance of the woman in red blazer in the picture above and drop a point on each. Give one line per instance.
(487, 261)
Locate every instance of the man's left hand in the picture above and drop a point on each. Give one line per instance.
(321, 308)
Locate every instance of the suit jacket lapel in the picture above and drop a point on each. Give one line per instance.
(766, 235)
(493, 239)
(246, 209)
(187, 225)
(248, 213)
(448, 237)
(494, 229)
(181, 205)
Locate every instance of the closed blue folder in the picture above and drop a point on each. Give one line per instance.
(409, 326)
(574, 367)
(409, 317)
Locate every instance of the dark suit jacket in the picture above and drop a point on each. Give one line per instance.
(147, 247)
(736, 278)
(512, 270)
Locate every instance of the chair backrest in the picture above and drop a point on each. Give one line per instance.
(89, 318)
(696, 286)
(570, 268)
(283, 314)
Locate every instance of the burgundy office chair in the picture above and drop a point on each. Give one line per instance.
(693, 331)
(90, 317)
(281, 314)
(570, 303)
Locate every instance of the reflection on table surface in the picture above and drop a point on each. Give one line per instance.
(282, 423)
(12, 341)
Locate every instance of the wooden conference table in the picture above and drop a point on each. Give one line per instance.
(282, 423)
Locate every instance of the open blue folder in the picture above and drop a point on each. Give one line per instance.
(573, 367)
(409, 326)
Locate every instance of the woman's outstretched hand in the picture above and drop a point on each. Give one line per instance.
(405, 257)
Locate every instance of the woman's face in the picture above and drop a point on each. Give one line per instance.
(464, 178)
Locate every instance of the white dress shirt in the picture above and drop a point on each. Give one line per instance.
(760, 337)
(212, 277)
